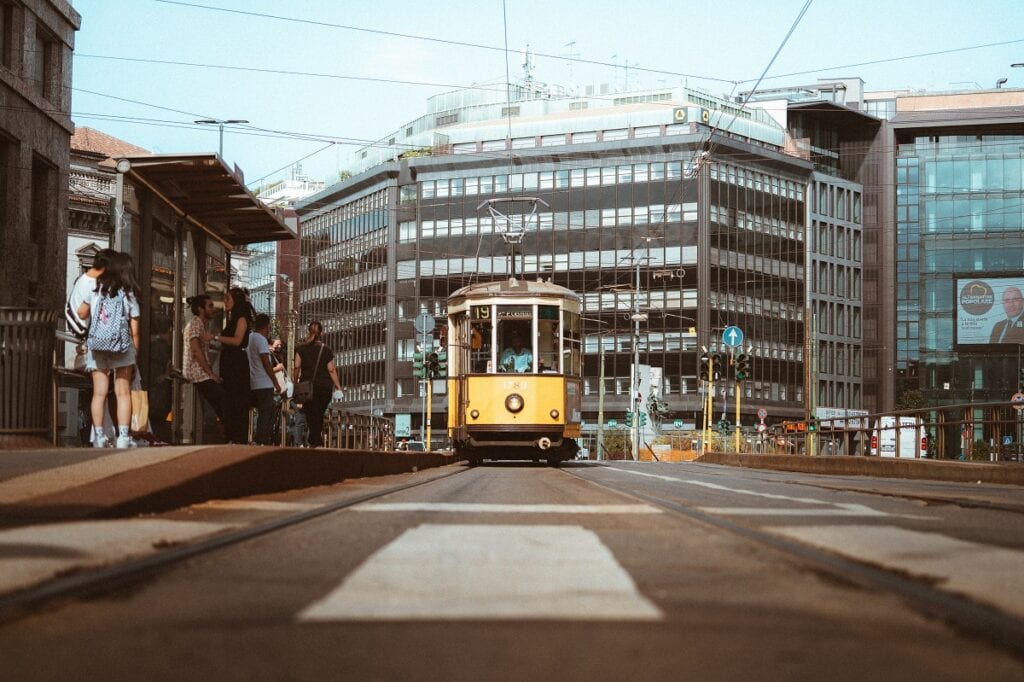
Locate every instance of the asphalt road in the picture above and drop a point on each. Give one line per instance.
(587, 572)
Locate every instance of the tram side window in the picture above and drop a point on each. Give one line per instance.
(480, 346)
(573, 335)
(515, 341)
(548, 341)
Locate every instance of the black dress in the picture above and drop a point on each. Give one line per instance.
(323, 387)
(234, 369)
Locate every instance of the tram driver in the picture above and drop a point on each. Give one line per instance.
(516, 358)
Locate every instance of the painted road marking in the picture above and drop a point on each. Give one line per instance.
(475, 508)
(837, 509)
(256, 505)
(33, 554)
(986, 573)
(492, 572)
(842, 510)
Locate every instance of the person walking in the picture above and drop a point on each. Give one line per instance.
(113, 311)
(196, 362)
(314, 362)
(234, 365)
(262, 379)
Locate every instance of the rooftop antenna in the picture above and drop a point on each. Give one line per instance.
(572, 55)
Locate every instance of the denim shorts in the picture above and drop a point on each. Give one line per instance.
(104, 360)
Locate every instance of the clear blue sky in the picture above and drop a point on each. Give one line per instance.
(710, 44)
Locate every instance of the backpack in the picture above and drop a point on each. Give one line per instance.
(110, 331)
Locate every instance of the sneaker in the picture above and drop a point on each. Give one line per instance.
(124, 442)
(101, 442)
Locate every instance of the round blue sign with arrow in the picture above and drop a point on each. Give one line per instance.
(732, 336)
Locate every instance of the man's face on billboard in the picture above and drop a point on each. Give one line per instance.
(1013, 302)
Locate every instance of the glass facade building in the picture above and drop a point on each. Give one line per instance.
(959, 215)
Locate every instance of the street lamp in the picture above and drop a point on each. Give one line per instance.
(220, 123)
(290, 365)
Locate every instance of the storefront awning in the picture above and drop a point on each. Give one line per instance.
(209, 194)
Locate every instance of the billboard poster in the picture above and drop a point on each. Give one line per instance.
(990, 310)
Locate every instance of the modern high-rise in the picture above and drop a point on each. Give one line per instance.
(693, 196)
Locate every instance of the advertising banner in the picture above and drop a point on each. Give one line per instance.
(990, 310)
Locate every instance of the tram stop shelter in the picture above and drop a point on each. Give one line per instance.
(181, 216)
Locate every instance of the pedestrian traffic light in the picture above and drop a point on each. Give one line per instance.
(705, 360)
(742, 367)
(419, 370)
(442, 364)
(629, 419)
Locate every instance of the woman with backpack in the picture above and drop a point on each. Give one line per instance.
(113, 311)
(234, 364)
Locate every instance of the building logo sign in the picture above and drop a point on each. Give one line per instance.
(977, 297)
(679, 115)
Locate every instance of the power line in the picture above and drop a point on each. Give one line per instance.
(432, 39)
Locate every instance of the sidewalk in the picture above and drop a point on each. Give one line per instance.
(80, 483)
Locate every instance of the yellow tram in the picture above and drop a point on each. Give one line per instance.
(514, 367)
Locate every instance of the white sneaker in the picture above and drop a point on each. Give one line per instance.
(124, 442)
(101, 442)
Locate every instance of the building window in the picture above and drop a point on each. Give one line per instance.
(509, 111)
(6, 34)
(46, 64)
(6, 171)
(447, 120)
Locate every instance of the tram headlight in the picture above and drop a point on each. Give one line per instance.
(514, 402)
(475, 414)
(554, 414)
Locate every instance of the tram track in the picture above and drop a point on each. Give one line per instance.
(957, 611)
(94, 582)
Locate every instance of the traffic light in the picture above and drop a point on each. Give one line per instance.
(643, 419)
(742, 367)
(812, 425)
(704, 365)
(716, 369)
(431, 365)
(1020, 380)
(629, 419)
(442, 364)
(723, 426)
(419, 370)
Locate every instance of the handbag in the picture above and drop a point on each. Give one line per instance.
(304, 389)
(140, 404)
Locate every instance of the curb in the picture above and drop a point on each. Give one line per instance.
(216, 473)
(926, 469)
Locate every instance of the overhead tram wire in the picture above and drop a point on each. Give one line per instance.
(443, 41)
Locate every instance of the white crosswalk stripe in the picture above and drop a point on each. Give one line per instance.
(986, 573)
(479, 508)
(489, 572)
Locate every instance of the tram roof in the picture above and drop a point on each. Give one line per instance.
(514, 288)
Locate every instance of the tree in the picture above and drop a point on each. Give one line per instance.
(911, 399)
(344, 175)
(616, 445)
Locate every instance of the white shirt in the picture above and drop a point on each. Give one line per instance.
(81, 291)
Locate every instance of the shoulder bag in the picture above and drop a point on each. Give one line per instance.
(304, 389)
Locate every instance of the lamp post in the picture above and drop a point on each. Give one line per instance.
(290, 360)
(220, 123)
(600, 387)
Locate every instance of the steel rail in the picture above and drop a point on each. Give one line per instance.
(984, 622)
(92, 582)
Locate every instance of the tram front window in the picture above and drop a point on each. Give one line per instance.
(515, 335)
(480, 346)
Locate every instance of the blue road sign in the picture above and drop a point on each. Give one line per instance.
(732, 336)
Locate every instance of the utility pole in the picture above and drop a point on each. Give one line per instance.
(220, 123)
(600, 398)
